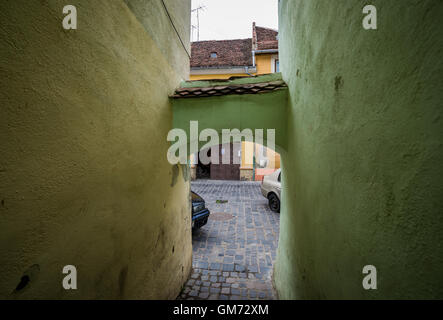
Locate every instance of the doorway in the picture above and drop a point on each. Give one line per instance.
(203, 171)
(229, 171)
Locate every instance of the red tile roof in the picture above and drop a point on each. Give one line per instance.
(266, 34)
(264, 38)
(215, 91)
(230, 53)
(267, 45)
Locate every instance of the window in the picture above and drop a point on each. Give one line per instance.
(277, 65)
(213, 55)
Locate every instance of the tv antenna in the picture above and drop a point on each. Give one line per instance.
(198, 21)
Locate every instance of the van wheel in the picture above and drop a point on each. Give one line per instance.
(274, 202)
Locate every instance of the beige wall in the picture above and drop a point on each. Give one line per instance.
(83, 169)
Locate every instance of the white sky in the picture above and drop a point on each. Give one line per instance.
(232, 19)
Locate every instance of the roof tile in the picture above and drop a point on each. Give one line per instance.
(230, 53)
(249, 88)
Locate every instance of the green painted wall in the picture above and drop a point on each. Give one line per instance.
(152, 15)
(83, 169)
(363, 169)
(250, 111)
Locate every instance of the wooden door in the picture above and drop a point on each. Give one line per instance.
(229, 171)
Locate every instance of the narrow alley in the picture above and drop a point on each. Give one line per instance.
(111, 109)
(234, 253)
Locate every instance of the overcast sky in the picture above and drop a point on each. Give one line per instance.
(232, 19)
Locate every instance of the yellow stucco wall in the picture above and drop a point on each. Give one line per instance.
(83, 169)
(248, 153)
(272, 156)
(263, 63)
(215, 76)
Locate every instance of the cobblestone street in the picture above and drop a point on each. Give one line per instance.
(233, 254)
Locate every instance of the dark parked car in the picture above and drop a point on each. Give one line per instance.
(200, 213)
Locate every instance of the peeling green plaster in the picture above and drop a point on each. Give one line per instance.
(186, 172)
(175, 174)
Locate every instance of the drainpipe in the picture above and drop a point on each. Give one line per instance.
(253, 163)
(253, 64)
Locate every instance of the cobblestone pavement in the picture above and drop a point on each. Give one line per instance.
(234, 253)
